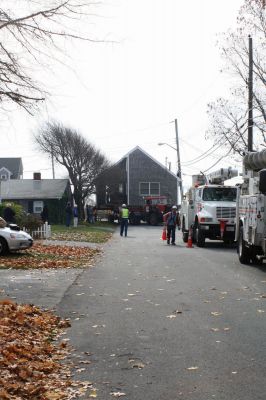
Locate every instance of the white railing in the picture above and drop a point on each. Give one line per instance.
(43, 232)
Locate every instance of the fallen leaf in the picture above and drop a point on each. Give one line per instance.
(117, 394)
(93, 393)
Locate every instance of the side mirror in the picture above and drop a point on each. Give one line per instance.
(262, 181)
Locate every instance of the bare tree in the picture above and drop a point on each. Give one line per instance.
(81, 159)
(31, 32)
(228, 117)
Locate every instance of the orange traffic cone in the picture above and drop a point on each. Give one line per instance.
(164, 235)
(189, 241)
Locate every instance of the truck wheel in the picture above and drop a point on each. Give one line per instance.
(153, 219)
(243, 250)
(132, 219)
(3, 247)
(200, 238)
(185, 236)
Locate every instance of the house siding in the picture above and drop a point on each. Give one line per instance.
(134, 168)
(108, 185)
(143, 169)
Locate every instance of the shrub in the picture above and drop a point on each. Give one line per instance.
(17, 208)
(29, 221)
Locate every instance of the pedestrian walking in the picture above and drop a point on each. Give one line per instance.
(171, 220)
(68, 214)
(75, 216)
(124, 214)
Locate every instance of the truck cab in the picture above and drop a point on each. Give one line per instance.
(215, 211)
(209, 210)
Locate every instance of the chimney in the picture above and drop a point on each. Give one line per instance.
(37, 176)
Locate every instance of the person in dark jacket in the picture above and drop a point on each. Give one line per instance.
(44, 214)
(171, 220)
(9, 214)
(68, 214)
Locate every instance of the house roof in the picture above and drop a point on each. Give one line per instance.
(14, 165)
(147, 155)
(21, 189)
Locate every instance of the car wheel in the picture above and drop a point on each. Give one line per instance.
(200, 238)
(3, 246)
(243, 250)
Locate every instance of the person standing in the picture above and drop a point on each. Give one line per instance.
(68, 214)
(75, 216)
(44, 214)
(171, 220)
(124, 214)
(90, 214)
(9, 214)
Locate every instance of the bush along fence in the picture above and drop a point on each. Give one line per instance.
(43, 232)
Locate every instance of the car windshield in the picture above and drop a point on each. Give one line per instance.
(219, 194)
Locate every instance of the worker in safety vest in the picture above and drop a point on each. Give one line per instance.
(124, 214)
(171, 220)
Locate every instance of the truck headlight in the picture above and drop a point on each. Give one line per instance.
(205, 219)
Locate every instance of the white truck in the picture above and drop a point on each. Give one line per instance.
(250, 211)
(209, 208)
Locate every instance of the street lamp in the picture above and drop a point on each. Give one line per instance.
(178, 174)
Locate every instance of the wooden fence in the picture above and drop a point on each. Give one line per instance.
(44, 232)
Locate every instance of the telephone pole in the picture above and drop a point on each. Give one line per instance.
(250, 95)
(179, 174)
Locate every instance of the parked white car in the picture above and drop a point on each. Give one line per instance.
(13, 239)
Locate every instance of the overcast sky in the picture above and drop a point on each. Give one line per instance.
(164, 64)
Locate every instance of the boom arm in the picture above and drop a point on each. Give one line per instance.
(255, 161)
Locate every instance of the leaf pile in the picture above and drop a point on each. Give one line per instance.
(31, 361)
(42, 256)
(94, 237)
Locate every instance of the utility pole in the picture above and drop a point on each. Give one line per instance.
(52, 159)
(250, 95)
(179, 175)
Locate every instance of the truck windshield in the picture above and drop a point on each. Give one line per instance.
(219, 194)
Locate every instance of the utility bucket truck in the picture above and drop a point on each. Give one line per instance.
(209, 208)
(250, 211)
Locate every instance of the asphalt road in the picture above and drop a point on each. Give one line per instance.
(160, 322)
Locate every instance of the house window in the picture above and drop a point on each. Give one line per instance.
(37, 207)
(149, 188)
(3, 177)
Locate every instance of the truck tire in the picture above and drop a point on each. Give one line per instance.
(243, 251)
(3, 247)
(184, 232)
(200, 238)
(153, 219)
(185, 236)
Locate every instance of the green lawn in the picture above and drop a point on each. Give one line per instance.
(99, 232)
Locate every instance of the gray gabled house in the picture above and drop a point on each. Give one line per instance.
(134, 176)
(33, 194)
(11, 168)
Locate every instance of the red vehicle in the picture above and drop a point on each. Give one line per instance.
(151, 212)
